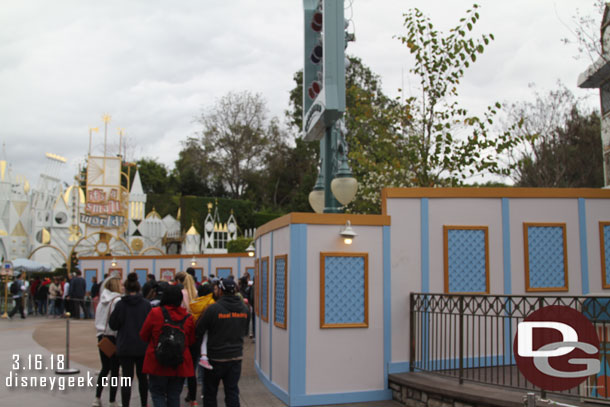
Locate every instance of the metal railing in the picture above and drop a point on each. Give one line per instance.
(470, 337)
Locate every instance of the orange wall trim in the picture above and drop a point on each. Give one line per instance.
(322, 219)
(507, 192)
(164, 256)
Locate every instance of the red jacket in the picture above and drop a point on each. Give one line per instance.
(150, 333)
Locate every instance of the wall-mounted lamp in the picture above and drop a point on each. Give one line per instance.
(250, 250)
(114, 263)
(193, 261)
(348, 233)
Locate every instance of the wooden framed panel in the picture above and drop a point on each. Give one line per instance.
(546, 257)
(344, 290)
(115, 271)
(198, 273)
(89, 273)
(224, 272)
(250, 271)
(466, 258)
(256, 304)
(280, 291)
(167, 274)
(264, 289)
(142, 273)
(604, 240)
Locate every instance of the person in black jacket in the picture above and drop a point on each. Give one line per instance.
(225, 322)
(127, 319)
(148, 285)
(76, 294)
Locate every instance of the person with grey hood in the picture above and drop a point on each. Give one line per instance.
(110, 295)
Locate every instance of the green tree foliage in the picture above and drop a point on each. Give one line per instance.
(448, 144)
(370, 121)
(155, 176)
(430, 139)
(239, 245)
(561, 142)
(192, 171)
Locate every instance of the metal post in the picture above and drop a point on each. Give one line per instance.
(530, 400)
(329, 142)
(411, 332)
(67, 369)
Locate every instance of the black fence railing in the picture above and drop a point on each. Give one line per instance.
(470, 337)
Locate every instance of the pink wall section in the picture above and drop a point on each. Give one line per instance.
(344, 359)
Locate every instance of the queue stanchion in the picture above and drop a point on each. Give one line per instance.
(67, 369)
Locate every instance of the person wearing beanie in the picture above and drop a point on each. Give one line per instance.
(225, 322)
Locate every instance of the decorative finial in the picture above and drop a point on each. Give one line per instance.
(210, 207)
(106, 118)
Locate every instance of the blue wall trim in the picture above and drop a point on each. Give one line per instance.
(425, 247)
(398, 367)
(584, 261)
(469, 362)
(104, 267)
(342, 398)
(387, 302)
(154, 269)
(297, 310)
(506, 246)
(181, 264)
(238, 268)
(270, 296)
(128, 266)
(259, 320)
(508, 285)
(273, 388)
(209, 266)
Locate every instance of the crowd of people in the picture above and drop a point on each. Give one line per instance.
(169, 332)
(53, 297)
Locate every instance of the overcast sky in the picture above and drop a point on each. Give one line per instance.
(154, 65)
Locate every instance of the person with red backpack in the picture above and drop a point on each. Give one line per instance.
(169, 331)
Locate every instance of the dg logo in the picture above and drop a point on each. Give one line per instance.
(556, 348)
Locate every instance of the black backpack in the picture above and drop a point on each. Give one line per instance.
(170, 346)
(15, 287)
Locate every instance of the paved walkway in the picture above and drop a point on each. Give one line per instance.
(45, 337)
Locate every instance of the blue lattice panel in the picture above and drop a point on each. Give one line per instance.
(265, 289)
(223, 272)
(606, 253)
(280, 291)
(546, 257)
(344, 290)
(467, 260)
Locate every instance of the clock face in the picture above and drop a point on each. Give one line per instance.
(137, 244)
(101, 247)
(209, 227)
(231, 227)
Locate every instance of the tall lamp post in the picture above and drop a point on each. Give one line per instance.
(324, 102)
(6, 272)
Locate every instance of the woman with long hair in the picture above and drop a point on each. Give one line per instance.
(189, 290)
(127, 318)
(189, 293)
(110, 294)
